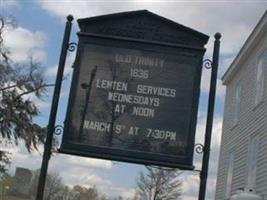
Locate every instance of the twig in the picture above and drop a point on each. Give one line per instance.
(33, 90)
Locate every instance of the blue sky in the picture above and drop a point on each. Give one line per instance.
(40, 26)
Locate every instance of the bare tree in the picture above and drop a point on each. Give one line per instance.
(84, 193)
(159, 184)
(66, 193)
(54, 187)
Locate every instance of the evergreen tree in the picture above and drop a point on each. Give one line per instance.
(18, 81)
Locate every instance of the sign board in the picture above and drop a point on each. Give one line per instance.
(133, 101)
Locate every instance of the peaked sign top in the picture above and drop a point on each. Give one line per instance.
(143, 25)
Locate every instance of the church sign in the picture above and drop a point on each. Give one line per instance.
(135, 90)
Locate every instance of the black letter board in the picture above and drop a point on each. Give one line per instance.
(135, 90)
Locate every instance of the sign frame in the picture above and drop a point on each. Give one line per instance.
(74, 148)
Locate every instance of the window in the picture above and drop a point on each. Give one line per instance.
(237, 102)
(259, 80)
(229, 175)
(252, 161)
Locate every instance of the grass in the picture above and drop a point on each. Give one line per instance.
(13, 198)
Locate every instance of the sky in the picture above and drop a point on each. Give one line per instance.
(39, 32)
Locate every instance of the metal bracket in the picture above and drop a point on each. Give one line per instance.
(72, 46)
(207, 63)
(58, 130)
(199, 148)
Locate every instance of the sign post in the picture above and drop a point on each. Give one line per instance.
(53, 112)
(212, 94)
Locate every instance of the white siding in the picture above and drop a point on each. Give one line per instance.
(252, 121)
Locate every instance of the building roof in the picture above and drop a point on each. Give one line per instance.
(258, 32)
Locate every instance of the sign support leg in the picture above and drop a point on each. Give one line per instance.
(206, 155)
(53, 112)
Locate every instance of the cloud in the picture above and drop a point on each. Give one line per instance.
(234, 20)
(127, 193)
(84, 162)
(223, 16)
(52, 71)
(7, 4)
(19, 153)
(190, 186)
(20, 157)
(87, 172)
(25, 44)
(87, 177)
(205, 84)
(83, 171)
(191, 179)
(81, 9)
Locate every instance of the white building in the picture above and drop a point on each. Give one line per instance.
(243, 155)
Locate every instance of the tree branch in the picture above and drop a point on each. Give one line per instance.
(33, 90)
(8, 87)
